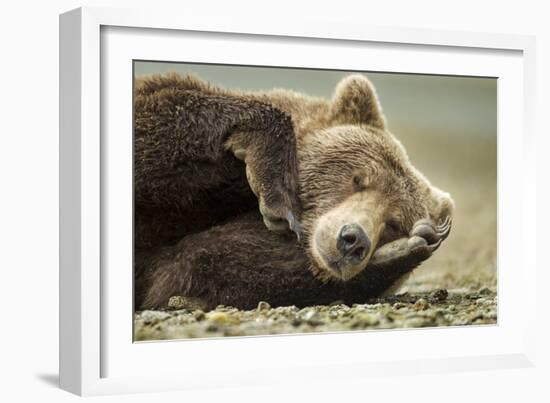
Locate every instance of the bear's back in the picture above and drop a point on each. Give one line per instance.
(307, 113)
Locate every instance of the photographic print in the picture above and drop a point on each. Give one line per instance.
(271, 200)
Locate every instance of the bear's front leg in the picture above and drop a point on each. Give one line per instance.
(265, 156)
(181, 146)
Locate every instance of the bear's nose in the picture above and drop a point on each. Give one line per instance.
(353, 243)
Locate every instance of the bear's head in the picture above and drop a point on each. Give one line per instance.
(358, 188)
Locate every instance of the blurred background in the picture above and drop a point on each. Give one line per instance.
(448, 124)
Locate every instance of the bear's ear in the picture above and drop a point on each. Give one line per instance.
(355, 102)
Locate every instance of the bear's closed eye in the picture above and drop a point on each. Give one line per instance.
(393, 225)
(358, 183)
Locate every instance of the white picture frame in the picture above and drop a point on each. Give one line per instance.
(96, 355)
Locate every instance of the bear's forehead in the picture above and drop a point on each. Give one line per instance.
(355, 148)
(330, 158)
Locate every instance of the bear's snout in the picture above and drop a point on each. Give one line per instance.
(345, 237)
(353, 243)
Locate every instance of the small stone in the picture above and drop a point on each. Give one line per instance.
(333, 314)
(263, 306)
(311, 317)
(296, 321)
(399, 305)
(152, 317)
(421, 304)
(199, 315)
(475, 316)
(485, 291)
(176, 302)
(440, 295)
(492, 314)
(483, 301)
(218, 317)
(309, 314)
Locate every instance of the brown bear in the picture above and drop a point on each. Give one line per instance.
(221, 176)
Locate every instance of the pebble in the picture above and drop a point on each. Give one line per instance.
(364, 320)
(399, 305)
(263, 306)
(199, 315)
(421, 304)
(220, 318)
(149, 317)
(440, 295)
(485, 301)
(296, 322)
(176, 302)
(485, 291)
(311, 317)
(419, 309)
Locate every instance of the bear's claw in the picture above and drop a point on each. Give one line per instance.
(274, 216)
(275, 223)
(294, 225)
(432, 233)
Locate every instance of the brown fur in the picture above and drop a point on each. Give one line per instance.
(181, 164)
(198, 232)
(244, 263)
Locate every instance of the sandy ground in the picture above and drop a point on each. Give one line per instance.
(457, 286)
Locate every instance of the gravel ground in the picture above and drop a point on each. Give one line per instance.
(439, 308)
(455, 287)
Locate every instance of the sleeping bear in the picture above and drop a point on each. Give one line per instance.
(274, 196)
